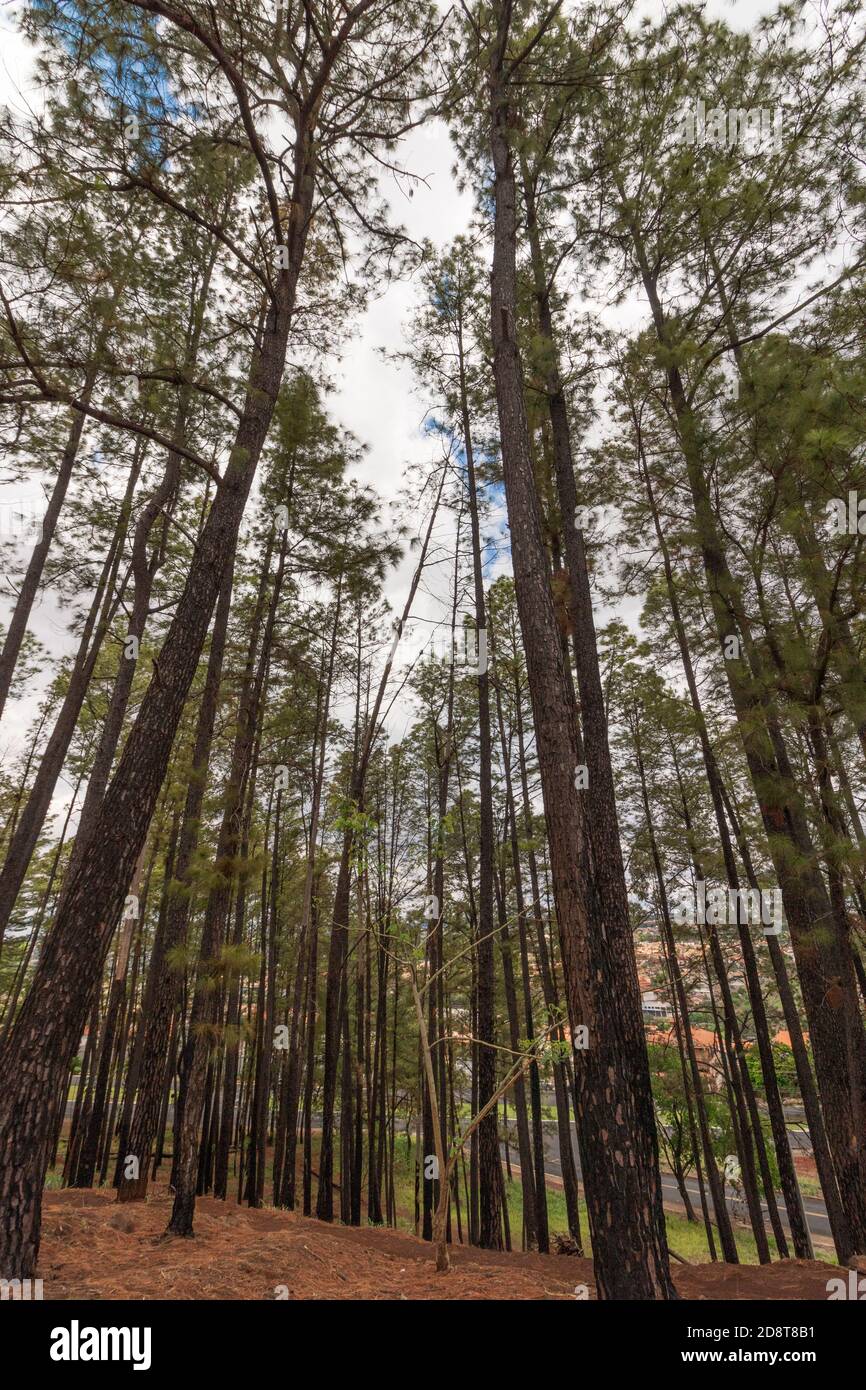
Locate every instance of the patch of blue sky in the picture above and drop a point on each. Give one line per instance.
(492, 492)
(123, 47)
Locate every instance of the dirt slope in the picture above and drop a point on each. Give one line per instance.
(93, 1249)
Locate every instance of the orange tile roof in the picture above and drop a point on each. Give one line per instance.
(702, 1037)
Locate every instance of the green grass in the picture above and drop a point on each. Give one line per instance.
(687, 1238)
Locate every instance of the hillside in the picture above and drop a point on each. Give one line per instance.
(93, 1249)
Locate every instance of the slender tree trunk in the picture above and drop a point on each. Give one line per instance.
(490, 1232)
(20, 616)
(567, 1165)
(85, 1169)
(805, 1079)
(163, 991)
(339, 944)
(821, 943)
(618, 1139)
(723, 1221)
(790, 1186)
(102, 608)
(59, 998)
(229, 878)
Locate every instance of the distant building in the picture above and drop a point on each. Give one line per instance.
(707, 1051)
(651, 1005)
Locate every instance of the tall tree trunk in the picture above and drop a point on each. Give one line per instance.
(85, 1169)
(339, 944)
(615, 1114)
(567, 1165)
(821, 943)
(144, 571)
(793, 1198)
(229, 877)
(41, 1045)
(162, 995)
(102, 608)
(26, 597)
(284, 1184)
(490, 1187)
(723, 1221)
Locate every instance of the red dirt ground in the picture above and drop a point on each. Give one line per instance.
(94, 1249)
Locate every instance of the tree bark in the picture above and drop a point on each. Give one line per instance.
(41, 1045)
(615, 1113)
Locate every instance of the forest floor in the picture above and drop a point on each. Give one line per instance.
(94, 1249)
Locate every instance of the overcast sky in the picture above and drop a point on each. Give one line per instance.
(375, 397)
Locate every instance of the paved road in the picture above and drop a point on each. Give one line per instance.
(816, 1211)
